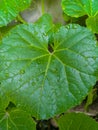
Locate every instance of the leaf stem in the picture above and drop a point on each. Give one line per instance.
(43, 6)
(20, 19)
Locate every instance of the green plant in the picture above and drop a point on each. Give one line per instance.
(77, 121)
(78, 8)
(45, 69)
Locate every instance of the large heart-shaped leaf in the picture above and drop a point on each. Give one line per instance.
(16, 120)
(77, 8)
(77, 121)
(9, 9)
(47, 74)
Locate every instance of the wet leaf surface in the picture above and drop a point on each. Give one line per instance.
(43, 82)
(10, 9)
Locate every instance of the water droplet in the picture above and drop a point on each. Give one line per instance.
(24, 1)
(22, 71)
(79, 92)
(38, 62)
(74, 26)
(20, 80)
(68, 27)
(45, 34)
(18, 105)
(36, 33)
(58, 79)
(7, 75)
(5, 12)
(54, 70)
(36, 65)
(3, 57)
(94, 58)
(33, 83)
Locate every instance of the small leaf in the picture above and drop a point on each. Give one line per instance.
(77, 121)
(92, 23)
(44, 75)
(16, 120)
(45, 22)
(80, 8)
(10, 9)
(77, 8)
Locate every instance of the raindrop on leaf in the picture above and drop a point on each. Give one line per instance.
(22, 71)
(7, 75)
(33, 83)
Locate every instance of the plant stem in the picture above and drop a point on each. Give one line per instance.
(43, 6)
(19, 18)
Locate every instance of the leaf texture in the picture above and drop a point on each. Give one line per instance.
(77, 8)
(43, 76)
(77, 121)
(16, 120)
(92, 23)
(9, 9)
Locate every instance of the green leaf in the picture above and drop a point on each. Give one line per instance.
(92, 23)
(4, 30)
(4, 101)
(77, 8)
(45, 22)
(9, 9)
(77, 121)
(16, 120)
(43, 76)
(90, 100)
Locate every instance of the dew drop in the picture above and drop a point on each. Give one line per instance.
(18, 105)
(68, 27)
(7, 75)
(38, 62)
(94, 58)
(22, 71)
(79, 92)
(33, 83)
(58, 79)
(36, 65)
(5, 12)
(74, 26)
(24, 1)
(20, 80)
(45, 34)
(36, 33)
